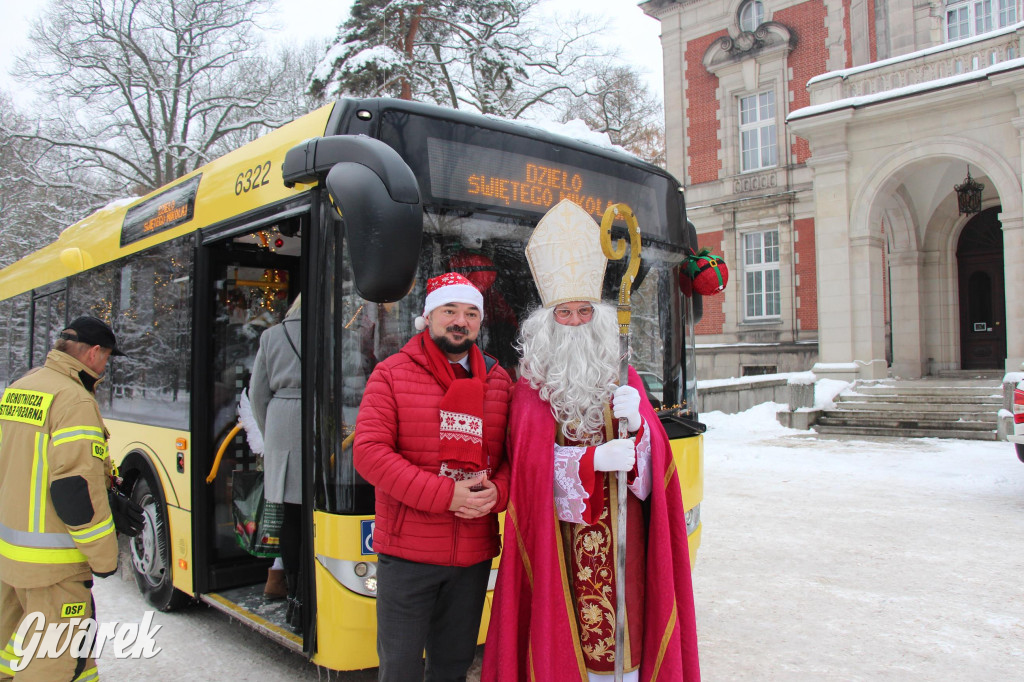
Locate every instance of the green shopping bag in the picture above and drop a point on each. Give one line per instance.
(257, 522)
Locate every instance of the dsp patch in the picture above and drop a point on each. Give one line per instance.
(99, 450)
(72, 610)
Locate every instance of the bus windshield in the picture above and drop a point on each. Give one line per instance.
(484, 192)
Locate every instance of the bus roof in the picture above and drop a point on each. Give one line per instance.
(241, 182)
(561, 135)
(237, 183)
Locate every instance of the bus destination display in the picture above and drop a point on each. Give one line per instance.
(166, 210)
(481, 175)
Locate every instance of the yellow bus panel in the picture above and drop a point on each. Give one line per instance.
(688, 454)
(158, 446)
(180, 533)
(346, 621)
(225, 191)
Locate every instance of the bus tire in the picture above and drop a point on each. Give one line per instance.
(150, 552)
(1020, 451)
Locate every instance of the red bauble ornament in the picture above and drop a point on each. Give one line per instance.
(704, 272)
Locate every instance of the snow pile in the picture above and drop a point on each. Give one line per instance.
(1013, 377)
(801, 378)
(751, 379)
(759, 419)
(825, 391)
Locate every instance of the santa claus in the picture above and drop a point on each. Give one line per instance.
(554, 604)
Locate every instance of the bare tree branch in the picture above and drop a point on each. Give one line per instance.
(148, 90)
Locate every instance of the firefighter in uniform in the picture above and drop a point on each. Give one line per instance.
(58, 512)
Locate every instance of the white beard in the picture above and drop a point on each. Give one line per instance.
(573, 368)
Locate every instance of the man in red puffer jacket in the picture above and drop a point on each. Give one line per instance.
(430, 438)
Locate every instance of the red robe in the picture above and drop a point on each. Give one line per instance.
(532, 631)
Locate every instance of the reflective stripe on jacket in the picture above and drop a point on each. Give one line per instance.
(51, 429)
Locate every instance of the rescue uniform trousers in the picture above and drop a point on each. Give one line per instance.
(424, 606)
(58, 603)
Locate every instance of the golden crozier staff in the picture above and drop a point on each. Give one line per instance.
(616, 252)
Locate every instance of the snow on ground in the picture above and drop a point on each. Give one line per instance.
(198, 644)
(821, 559)
(854, 559)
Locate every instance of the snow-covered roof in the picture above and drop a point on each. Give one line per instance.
(908, 90)
(950, 46)
(575, 129)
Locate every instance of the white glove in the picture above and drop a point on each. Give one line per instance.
(615, 455)
(626, 404)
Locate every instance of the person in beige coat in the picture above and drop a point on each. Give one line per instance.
(275, 392)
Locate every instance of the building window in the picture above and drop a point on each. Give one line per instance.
(966, 18)
(763, 294)
(751, 15)
(1007, 12)
(757, 131)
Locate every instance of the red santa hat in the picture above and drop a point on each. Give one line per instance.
(450, 287)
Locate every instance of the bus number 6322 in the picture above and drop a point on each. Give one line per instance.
(253, 178)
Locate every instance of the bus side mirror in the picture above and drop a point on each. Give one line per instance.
(383, 235)
(377, 195)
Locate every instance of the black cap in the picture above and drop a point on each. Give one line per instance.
(91, 331)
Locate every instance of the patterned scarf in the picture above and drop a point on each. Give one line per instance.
(462, 409)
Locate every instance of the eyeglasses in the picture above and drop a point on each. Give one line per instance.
(584, 312)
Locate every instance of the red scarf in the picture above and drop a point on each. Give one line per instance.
(462, 408)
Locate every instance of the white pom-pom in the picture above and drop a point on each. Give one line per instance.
(420, 323)
(252, 429)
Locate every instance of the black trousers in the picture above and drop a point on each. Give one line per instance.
(432, 608)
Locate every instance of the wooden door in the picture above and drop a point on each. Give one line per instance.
(982, 294)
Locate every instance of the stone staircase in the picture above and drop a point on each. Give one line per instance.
(935, 407)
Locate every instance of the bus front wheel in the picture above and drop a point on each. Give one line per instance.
(151, 552)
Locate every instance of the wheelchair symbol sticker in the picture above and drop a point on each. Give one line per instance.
(366, 536)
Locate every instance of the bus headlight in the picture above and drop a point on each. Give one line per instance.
(692, 519)
(358, 576)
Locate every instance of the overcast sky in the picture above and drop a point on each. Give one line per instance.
(636, 33)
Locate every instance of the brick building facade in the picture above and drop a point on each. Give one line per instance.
(780, 114)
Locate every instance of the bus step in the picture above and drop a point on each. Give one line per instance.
(248, 605)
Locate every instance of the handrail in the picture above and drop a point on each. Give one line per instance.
(220, 452)
(233, 432)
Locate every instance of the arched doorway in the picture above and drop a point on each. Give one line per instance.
(979, 255)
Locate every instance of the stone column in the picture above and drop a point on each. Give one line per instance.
(1013, 265)
(867, 306)
(674, 60)
(909, 352)
(829, 162)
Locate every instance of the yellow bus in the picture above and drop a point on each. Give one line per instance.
(354, 205)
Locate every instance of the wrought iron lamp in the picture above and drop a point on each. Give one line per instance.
(968, 194)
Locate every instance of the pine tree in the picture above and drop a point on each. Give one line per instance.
(483, 55)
